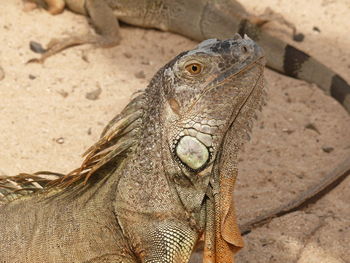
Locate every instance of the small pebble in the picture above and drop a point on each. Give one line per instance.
(264, 242)
(63, 93)
(94, 95)
(327, 149)
(288, 131)
(140, 75)
(298, 37)
(127, 55)
(60, 140)
(312, 126)
(145, 61)
(300, 176)
(84, 56)
(36, 47)
(31, 76)
(316, 29)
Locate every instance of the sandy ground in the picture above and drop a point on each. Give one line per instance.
(49, 117)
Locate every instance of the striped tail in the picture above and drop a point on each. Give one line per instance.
(295, 63)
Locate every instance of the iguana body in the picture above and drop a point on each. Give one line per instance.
(199, 20)
(159, 178)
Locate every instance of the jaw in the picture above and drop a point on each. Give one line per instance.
(222, 236)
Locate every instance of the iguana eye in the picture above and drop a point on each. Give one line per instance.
(194, 68)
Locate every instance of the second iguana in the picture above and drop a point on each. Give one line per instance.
(160, 177)
(198, 20)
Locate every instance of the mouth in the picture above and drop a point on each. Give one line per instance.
(237, 112)
(233, 72)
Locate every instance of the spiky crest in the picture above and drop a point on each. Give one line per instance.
(116, 140)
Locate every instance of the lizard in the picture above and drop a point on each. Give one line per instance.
(198, 20)
(160, 177)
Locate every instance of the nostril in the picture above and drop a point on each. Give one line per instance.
(244, 49)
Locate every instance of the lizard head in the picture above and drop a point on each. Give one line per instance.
(205, 88)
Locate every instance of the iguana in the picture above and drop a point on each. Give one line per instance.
(198, 20)
(160, 177)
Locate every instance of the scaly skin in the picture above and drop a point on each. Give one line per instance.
(199, 20)
(159, 178)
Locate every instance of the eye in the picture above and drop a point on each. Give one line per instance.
(194, 68)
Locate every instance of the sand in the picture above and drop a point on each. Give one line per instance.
(51, 113)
